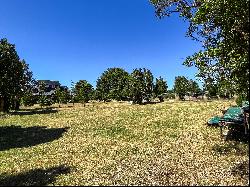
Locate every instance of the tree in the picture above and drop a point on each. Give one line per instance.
(112, 84)
(140, 85)
(194, 88)
(136, 86)
(181, 86)
(43, 99)
(148, 81)
(28, 99)
(83, 91)
(72, 92)
(160, 88)
(62, 95)
(170, 94)
(223, 29)
(15, 76)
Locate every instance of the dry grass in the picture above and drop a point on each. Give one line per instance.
(120, 144)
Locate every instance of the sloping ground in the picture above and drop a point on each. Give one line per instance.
(120, 144)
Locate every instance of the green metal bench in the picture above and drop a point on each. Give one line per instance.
(234, 118)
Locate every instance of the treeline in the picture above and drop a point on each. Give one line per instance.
(117, 84)
(17, 84)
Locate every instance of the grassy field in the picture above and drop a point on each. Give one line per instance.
(120, 144)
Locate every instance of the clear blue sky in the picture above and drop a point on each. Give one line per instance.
(79, 39)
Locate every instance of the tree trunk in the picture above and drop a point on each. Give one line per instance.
(6, 104)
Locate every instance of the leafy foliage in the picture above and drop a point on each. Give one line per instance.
(15, 76)
(28, 99)
(112, 84)
(181, 86)
(223, 29)
(194, 88)
(62, 95)
(160, 88)
(140, 85)
(83, 91)
(43, 99)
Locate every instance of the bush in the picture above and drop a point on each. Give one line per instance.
(240, 99)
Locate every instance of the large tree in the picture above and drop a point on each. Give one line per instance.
(15, 76)
(223, 29)
(112, 84)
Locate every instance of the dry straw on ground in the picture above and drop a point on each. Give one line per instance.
(121, 144)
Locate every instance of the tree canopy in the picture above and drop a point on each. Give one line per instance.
(140, 85)
(15, 76)
(181, 86)
(223, 29)
(83, 91)
(160, 88)
(112, 84)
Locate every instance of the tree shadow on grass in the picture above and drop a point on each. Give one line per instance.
(229, 147)
(22, 112)
(241, 169)
(18, 137)
(36, 177)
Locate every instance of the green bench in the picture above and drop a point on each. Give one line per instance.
(233, 118)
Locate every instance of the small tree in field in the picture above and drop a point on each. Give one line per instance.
(83, 91)
(136, 86)
(140, 85)
(148, 82)
(62, 95)
(181, 86)
(43, 100)
(160, 88)
(28, 99)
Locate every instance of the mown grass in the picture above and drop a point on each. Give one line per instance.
(120, 144)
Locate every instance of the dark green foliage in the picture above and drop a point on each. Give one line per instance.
(83, 91)
(181, 86)
(62, 95)
(137, 86)
(223, 29)
(170, 94)
(15, 76)
(240, 99)
(140, 85)
(148, 82)
(43, 100)
(28, 99)
(160, 88)
(112, 85)
(194, 88)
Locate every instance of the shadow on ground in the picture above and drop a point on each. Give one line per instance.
(230, 147)
(22, 112)
(18, 137)
(235, 134)
(37, 177)
(241, 169)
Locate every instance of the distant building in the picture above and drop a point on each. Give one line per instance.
(50, 87)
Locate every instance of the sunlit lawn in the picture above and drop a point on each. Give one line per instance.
(120, 144)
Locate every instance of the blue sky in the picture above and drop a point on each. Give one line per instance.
(79, 39)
